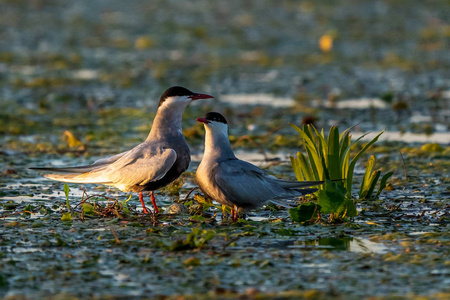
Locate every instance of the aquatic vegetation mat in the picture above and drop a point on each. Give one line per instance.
(398, 244)
(80, 80)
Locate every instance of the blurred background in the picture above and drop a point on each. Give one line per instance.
(97, 68)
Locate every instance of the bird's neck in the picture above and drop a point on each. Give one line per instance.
(217, 146)
(167, 122)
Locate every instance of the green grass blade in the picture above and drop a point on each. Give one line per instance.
(311, 149)
(344, 143)
(316, 163)
(383, 183)
(323, 146)
(353, 163)
(322, 151)
(333, 154)
(306, 139)
(325, 175)
(297, 170)
(345, 157)
(367, 177)
(346, 131)
(372, 184)
(295, 127)
(308, 131)
(305, 167)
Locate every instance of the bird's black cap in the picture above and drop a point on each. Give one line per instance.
(215, 116)
(173, 92)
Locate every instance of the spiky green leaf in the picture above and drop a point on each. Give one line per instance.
(305, 167)
(333, 154)
(353, 163)
(297, 170)
(373, 181)
(383, 183)
(365, 184)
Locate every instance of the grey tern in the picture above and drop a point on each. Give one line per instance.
(236, 183)
(153, 164)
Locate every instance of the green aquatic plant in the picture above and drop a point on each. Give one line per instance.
(67, 217)
(328, 159)
(370, 180)
(66, 192)
(196, 239)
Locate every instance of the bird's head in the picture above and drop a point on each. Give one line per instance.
(215, 122)
(177, 95)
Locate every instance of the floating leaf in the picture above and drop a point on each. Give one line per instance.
(192, 261)
(433, 147)
(347, 209)
(88, 209)
(144, 42)
(304, 212)
(67, 217)
(331, 197)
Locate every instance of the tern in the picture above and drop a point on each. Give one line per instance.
(236, 183)
(153, 164)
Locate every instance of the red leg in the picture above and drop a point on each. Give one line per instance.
(152, 197)
(235, 215)
(143, 204)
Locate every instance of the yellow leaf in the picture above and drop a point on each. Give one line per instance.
(326, 43)
(372, 223)
(201, 199)
(144, 42)
(71, 140)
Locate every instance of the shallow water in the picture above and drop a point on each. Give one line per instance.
(100, 76)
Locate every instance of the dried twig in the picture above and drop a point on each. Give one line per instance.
(115, 236)
(404, 166)
(189, 193)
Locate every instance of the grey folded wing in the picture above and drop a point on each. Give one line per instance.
(140, 165)
(244, 184)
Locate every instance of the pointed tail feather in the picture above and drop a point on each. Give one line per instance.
(77, 178)
(78, 170)
(306, 191)
(82, 174)
(285, 205)
(291, 193)
(296, 184)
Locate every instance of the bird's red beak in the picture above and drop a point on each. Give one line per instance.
(203, 120)
(200, 96)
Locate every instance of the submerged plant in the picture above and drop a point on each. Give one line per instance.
(328, 159)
